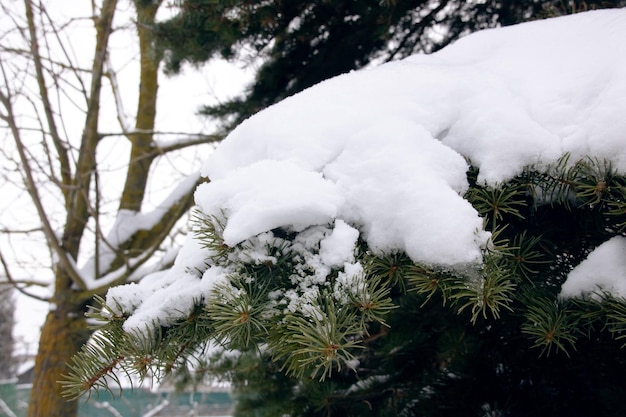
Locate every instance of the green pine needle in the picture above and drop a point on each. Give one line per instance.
(94, 367)
(494, 203)
(372, 301)
(319, 344)
(236, 310)
(616, 317)
(209, 230)
(391, 267)
(523, 255)
(428, 282)
(551, 326)
(490, 293)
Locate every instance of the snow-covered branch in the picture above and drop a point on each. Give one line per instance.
(118, 244)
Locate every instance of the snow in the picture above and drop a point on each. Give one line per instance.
(338, 248)
(172, 293)
(385, 151)
(604, 270)
(283, 194)
(395, 140)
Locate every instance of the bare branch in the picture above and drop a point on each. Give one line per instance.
(17, 284)
(4, 230)
(120, 275)
(119, 104)
(73, 68)
(78, 212)
(192, 140)
(62, 152)
(161, 148)
(31, 186)
(140, 246)
(141, 154)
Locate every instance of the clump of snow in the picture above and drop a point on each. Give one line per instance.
(349, 283)
(604, 270)
(166, 296)
(338, 248)
(385, 151)
(282, 195)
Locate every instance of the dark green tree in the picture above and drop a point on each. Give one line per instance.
(409, 339)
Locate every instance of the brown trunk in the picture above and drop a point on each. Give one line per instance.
(142, 153)
(65, 330)
(62, 335)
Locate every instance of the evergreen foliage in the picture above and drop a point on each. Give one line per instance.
(400, 338)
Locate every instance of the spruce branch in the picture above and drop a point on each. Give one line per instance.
(591, 182)
(523, 256)
(558, 182)
(616, 209)
(372, 301)
(489, 293)
(275, 267)
(594, 181)
(319, 344)
(392, 267)
(237, 311)
(93, 368)
(494, 203)
(616, 317)
(428, 282)
(183, 340)
(550, 325)
(209, 230)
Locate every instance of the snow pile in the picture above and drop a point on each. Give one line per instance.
(387, 150)
(604, 270)
(166, 295)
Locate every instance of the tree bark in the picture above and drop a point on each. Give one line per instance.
(64, 330)
(62, 335)
(143, 151)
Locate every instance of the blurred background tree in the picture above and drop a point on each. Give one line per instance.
(86, 225)
(7, 306)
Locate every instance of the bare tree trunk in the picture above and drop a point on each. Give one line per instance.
(62, 335)
(64, 330)
(71, 165)
(143, 152)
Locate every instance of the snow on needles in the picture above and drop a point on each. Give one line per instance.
(386, 150)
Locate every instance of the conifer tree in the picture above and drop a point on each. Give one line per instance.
(380, 334)
(404, 338)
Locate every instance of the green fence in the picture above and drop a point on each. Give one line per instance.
(10, 399)
(128, 403)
